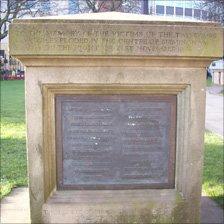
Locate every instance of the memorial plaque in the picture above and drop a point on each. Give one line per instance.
(115, 141)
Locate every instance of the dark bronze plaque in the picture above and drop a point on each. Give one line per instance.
(115, 141)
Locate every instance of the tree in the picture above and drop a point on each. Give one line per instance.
(102, 5)
(215, 9)
(11, 9)
(109, 5)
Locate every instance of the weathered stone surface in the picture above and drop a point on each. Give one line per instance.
(142, 206)
(72, 37)
(172, 63)
(190, 122)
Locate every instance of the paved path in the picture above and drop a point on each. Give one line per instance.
(15, 209)
(211, 212)
(214, 113)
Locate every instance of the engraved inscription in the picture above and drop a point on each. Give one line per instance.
(110, 39)
(114, 140)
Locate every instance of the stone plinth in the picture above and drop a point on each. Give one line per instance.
(132, 55)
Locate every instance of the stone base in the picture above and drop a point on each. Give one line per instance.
(117, 206)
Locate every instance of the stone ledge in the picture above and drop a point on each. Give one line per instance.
(76, 37)
(93, 61)
(129, 206)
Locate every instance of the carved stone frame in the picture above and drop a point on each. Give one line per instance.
(182, 91)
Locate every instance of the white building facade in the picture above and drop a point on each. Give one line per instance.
(188, 9)
(217, 72)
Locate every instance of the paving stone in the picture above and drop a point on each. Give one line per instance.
(214, 113)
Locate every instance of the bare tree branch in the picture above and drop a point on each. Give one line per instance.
(11, 9)
(215, 9)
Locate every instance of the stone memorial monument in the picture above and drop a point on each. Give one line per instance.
(115, 107)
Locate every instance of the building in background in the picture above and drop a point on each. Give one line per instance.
(11, 68)
(216, 70)
(186, 9)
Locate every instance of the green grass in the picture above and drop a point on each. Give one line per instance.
(213, 176)
(209, 81)
(13, 142)
(13, 149)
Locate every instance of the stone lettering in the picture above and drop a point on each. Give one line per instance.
(110, 39)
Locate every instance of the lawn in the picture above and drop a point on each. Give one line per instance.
(13, 141)
(213, 176)
(13, 149)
